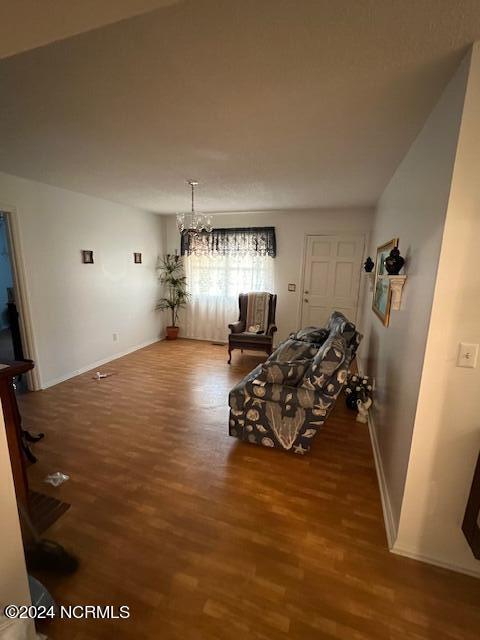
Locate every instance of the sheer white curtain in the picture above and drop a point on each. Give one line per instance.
(214, 282)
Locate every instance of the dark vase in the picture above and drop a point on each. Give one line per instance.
(394, 262)
(369, 264)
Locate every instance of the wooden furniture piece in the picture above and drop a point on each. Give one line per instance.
(43, 510)
(471, 521)
(13, 426)
(239, 338)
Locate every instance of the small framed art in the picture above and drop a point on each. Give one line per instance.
(137, 258)
(87, 256)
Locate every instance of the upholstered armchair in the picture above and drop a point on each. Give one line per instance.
(241, 338)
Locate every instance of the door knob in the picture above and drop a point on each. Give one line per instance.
(305, 291)
(306, 300)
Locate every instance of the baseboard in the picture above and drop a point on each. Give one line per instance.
(388, 518)
(399, 551)
(98, 363)
(390, 528)
(211, 340)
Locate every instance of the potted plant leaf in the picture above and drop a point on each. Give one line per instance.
(172, 277)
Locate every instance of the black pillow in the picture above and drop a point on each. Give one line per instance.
(291, 350)
(317, 335)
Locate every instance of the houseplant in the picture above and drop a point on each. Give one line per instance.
(172, 277)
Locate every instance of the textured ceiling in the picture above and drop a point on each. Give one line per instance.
(269, 103)
(26, 24)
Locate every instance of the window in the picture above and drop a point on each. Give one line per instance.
(227, 276)
(218, 267)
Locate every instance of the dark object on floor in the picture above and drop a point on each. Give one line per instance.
(368, 265)
(470, 526)
(241, 338)
(394, 262)
(45, 555)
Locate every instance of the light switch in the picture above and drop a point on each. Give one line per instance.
(467, 355)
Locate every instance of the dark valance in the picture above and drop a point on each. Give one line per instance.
(223, 242)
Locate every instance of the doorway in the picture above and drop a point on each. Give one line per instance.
(10, 341)
(331, 277)
(16, 338)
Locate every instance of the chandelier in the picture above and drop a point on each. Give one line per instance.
(194, 222)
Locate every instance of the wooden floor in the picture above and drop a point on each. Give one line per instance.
(205, 537)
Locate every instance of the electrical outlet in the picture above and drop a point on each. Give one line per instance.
(115, 337)
(467, 355)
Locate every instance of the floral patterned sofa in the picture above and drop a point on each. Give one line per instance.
(284, 401)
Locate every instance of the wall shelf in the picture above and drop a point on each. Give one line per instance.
(396, 286)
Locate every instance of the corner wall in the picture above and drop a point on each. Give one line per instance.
(76, 308)
(446, 439)
(413, 208)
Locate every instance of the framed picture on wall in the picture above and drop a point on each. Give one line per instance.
(382, 294)
(87, 256)
(137, 258)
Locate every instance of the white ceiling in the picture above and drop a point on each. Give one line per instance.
(269, 103)
(26, 24)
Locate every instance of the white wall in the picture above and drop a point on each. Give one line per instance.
(76, 308)
(291, 227)
(13, 574)
(446, 439)
(412, 208)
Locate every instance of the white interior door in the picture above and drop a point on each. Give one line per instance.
(331, 277)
